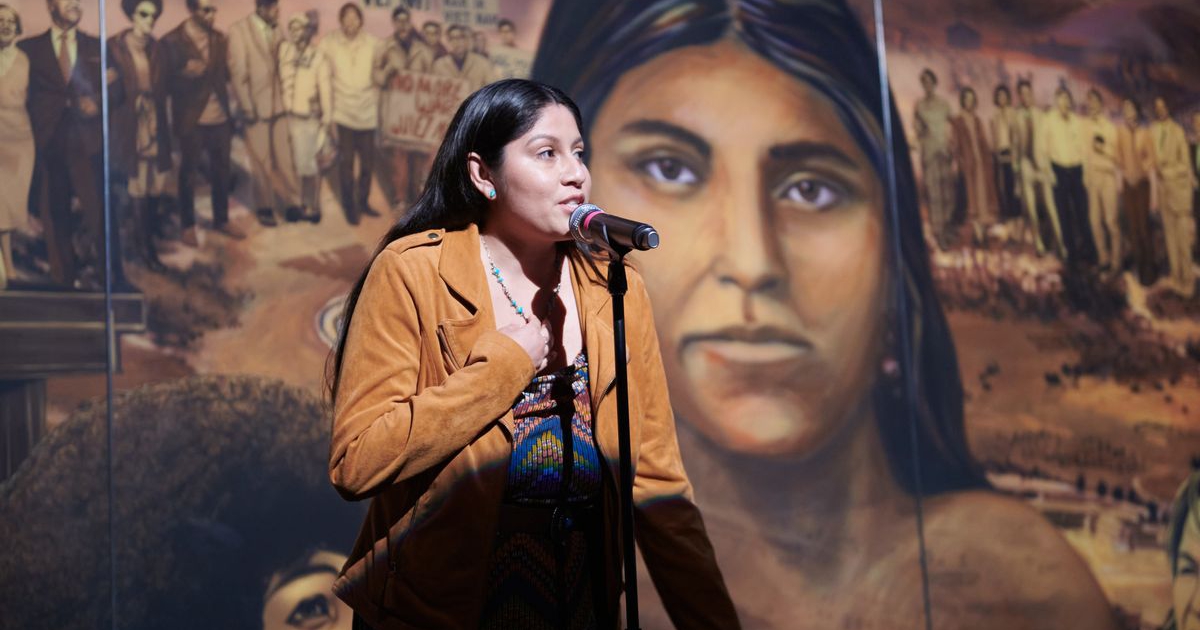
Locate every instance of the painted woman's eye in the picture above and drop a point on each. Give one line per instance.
(811, 194)
(669, 171)
(312, 612)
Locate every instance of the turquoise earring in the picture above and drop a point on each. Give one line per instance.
(492, 194)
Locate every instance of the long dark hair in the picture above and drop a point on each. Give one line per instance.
(588, 45)
(487, 121)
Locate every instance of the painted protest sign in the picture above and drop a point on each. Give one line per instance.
(415, 108)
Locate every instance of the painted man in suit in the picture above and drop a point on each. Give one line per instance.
(1176, 183)
(254, 70)
(193, 74)
(64, 111)
(1194, 159)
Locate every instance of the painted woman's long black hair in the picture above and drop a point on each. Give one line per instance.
(587, 45)
(487, 121)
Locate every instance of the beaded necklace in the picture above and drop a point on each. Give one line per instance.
(520, 310)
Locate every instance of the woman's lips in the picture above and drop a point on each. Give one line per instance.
(731, 351)
(749, 347)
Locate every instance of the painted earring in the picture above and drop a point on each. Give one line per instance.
(492, 194)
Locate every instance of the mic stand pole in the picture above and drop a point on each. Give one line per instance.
(617, 286)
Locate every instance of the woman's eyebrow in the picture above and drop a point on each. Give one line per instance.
(805, 150)
(551, 138)
(675, 132)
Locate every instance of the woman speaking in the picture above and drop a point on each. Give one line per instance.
(473, 402)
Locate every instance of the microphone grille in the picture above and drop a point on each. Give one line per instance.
(578, 216)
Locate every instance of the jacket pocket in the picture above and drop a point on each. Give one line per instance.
(448, 358)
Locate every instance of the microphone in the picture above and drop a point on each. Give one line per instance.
(594, 228)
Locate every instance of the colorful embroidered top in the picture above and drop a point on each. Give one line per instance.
(546, 469)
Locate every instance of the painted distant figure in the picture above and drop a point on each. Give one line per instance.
(1176, 182)
(479, 44)
(1004, 130)
(254, 43)
(63, 101)
(1194, 159)
(508, 61)
(1135, 159)
(932, 125)
(1033, 172)
(461, 63)
(16, 139)
(1100, 177)
(405, 51)
(1063, 134)
(308, 101)
(194, 76)
(431, 32)
(140, 146)
(974, 158)
(353, 56)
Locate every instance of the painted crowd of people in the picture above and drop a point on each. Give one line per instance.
(177, 102)
(1100, 183)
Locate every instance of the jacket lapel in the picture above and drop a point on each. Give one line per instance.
(462, 271)
(592, 301)
(45, 44)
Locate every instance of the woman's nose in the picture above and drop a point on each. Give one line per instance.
(575, 173)
(749, 256)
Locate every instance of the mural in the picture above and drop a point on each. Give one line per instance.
(948, 373)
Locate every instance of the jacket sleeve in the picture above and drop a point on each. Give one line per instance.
(384, 429)
(670, 531)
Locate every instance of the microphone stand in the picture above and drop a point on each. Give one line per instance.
(618, 284)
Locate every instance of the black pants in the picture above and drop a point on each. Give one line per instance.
(214, 141)
(1071, 198)
(352, 142)
(63, 174)
(1006, 186)
(1135, 203)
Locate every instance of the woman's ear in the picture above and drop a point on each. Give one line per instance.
(481, 175)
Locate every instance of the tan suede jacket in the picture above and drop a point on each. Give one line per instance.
(422, 425)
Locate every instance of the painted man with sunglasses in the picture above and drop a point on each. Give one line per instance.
(193, 76)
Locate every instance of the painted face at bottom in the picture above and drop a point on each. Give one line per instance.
(306, 600)
(1185, 598)
(768, 286)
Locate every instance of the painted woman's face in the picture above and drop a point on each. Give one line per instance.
(145, 14)
(768, 285)
(8, 26)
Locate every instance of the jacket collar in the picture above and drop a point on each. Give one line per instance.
(462, 270)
